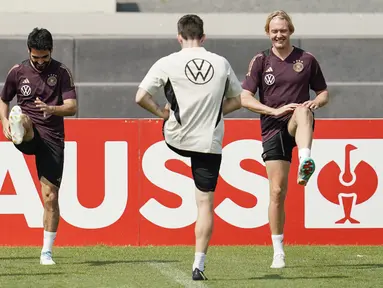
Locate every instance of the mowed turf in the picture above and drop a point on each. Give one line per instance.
(238, 266)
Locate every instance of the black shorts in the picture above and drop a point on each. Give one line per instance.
(49, 158)
(280, 146)
(205, 168)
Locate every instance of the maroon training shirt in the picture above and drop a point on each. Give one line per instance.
(282, 82)
(53, 85)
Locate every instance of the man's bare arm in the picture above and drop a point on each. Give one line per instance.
(145, 100)
(231, 104)
(68, 108)
(322, 98)
(4, 110)
(250, 102)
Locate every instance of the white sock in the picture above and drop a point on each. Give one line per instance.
(199, 261)
(278, 244)
(304, 153)
(49, 238)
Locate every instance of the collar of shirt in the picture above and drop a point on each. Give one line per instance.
(193, 48)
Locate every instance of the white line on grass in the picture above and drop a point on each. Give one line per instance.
(177, 275)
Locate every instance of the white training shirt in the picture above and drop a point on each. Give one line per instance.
(195, 82)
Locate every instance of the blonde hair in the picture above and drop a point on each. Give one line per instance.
(281, 15)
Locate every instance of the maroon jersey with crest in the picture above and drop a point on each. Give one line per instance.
(52, 85)
(282, 82)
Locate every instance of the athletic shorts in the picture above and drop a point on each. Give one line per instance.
(49, 158)
(205, 168)
(280, 146)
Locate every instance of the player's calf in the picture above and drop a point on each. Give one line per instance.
(203, 231)
(301, 127)
(51, 219)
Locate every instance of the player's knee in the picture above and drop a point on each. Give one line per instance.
(303, 113)
(205, 200)
(51, 202)
(50, 196)
(205, 204)
(27, 123)
(277, 194)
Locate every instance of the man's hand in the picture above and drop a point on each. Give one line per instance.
(166, 112)
(6, 129)
(311, 104)
(287, 109)
(48, 110)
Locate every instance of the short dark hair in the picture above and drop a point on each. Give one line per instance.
(40, 39)
(190, 27)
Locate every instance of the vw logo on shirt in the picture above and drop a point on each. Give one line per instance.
(199, 71)
(269, 79)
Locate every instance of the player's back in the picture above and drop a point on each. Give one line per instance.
(195, 88)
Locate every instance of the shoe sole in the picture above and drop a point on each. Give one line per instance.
(199, 277)
(302, 181)
(47, 264)
(277, 267)
(16, 126)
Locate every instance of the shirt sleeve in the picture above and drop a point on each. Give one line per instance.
(253, 77)
(317, 81)
(155, 79)
(10, 86)
(67, 84)
(233, 86)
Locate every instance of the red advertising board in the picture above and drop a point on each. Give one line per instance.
(123, 186)
(99, 192)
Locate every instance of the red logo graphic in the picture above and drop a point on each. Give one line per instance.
(350, 188)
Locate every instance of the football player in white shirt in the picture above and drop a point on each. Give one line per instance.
(200, 88)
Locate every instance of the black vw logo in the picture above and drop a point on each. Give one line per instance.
(199, 71)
